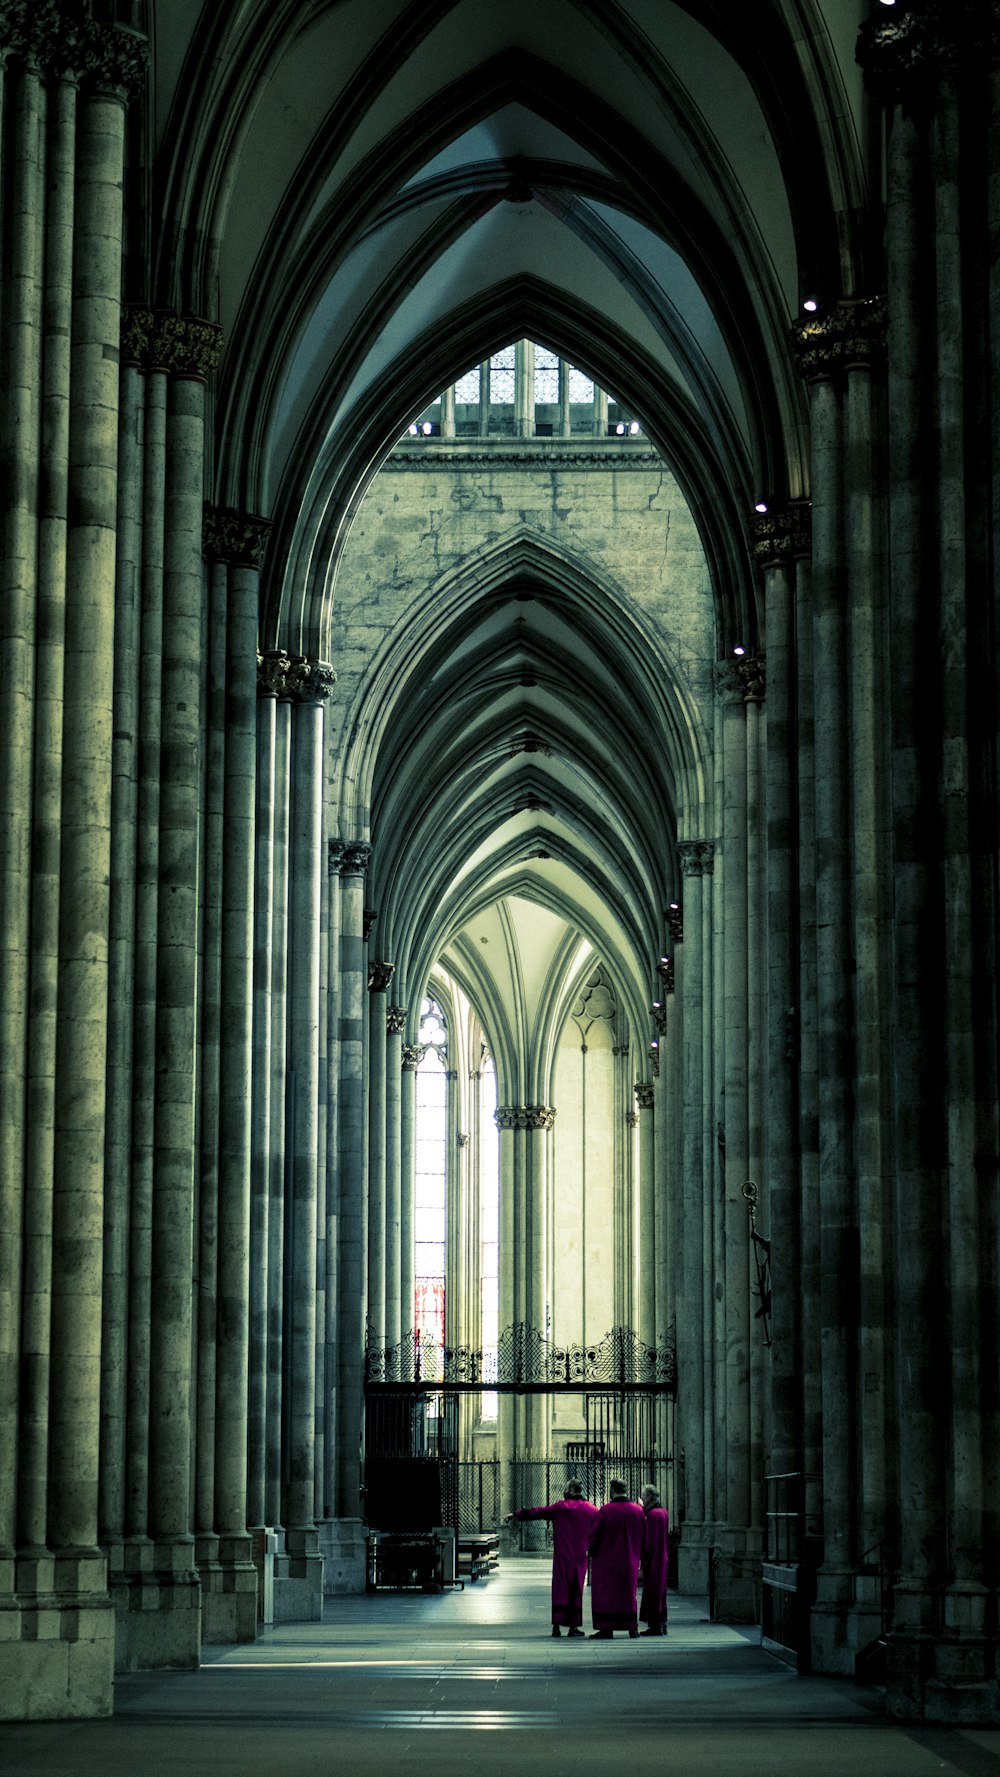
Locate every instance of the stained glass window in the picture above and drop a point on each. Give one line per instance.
(430, 1182)
(502, 378)
(546, 377)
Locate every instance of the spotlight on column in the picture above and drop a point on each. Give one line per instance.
(619, 430)
(412, 430)
(760, 506)
(634, 428)
(675, 906)
(739, 650)
(427, 428)
(810, 304)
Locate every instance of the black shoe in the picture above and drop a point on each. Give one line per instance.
(574, 1631)
(651, 1631)
(633, 1634)
(602, 1635)
(556, 1630)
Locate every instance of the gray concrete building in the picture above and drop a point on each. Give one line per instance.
(498, 774)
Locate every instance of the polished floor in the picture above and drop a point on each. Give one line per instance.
(472, 1682)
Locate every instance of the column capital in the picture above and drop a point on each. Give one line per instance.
(368, 919)
(850, 335)
(239, 538)
(697, 856)
(379, 976)
(632, 1119)
(272, 673)
(665, 970)
(395, 1020)
(901, 54)
(754, 675)
(352, 856)
(462, 1139)
(645, 1094)
(782, 533)
(524, 1116)
(729, 681)
(161, 339)
(413, 1055)
(310, 681)
(61, 37)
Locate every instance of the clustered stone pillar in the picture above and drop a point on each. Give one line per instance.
(937, 75)
(523, 1251)
(379, 976)
(395, 1323)
(65, 84)
(352, 1279)
(695, 1378)
(645, 1102)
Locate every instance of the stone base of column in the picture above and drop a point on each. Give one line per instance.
(57, 1640)
(298, 1579)
(344, 1548)
(844, 1620)
(694, 1559)
(157, 1598)
(941, 1664)
(737, 1577)
(228, 1590)
(264, 1546)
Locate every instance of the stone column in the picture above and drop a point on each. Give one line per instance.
(379, 976)
(271, 670)
(753, 669)
(278, 1139)
(395, 1026)
(352, 1281)
(20, 360)
(776, 539)
(411, 1055)
(331, 1012)
(299, 1589)
(537, 1150)
(20, 357)
(691, 1341)
(448, 412)
(236, 542)
(79, 1577)
(819, 345)
(565, 413)
(524, 388)
(644, 1098)
(734, 1575)
(507, 1290)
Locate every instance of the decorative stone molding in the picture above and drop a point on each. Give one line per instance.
(160, 339)
(644, 1094)
(309, 681)
(632, 1119)
(60, 37)
(913, 47)
(272, 673)
(852, 334)
(675, 923)
(462, 1139)
(395, 1020)
(379, 976)
(524, 1116)
(660, 1018)
(665, 970)
(355, 854)
(413, 1055)
(234, 537)
(697, 857)
(603, 455)
(368, 919)
(754, 675)
(335, 849)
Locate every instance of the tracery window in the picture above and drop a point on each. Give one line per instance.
(430, 1180)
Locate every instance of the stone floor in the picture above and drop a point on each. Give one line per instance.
(472, 1682)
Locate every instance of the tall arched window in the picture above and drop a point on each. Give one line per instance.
(430, 1181)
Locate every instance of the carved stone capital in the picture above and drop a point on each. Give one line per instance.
(395, 1020)
(729, 680)
(660, 1017)
(462, 1139)
(697, 856)
(665, 970)
(272, 673)
(60, 37)
(413, 1055)
(368, 919)
(524, 1116)
(379, 976)
(912, 48)
(781, 534)
(675, 922)
(160, 339)
(754, 675)
(850, 335)
(354, 856)
(632, 1119)
(644, 1094)
(234, 537)
(310, 681)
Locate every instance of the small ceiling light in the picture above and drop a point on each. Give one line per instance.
(664, 959)
(810, 304)
(657, 1004)
(739, 650)
(760, 506)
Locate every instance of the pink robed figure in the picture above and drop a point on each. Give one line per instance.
(572, 1521)
(615, 1551)
(655, 1564)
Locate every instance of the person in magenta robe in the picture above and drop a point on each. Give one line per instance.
(573, 1518)
(615, 1551)
(655, 1564)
